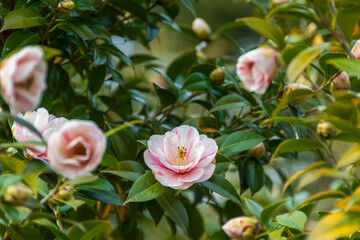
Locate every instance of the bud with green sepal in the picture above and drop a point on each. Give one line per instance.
(66, 192)
(326, 129)
(217, 76)
(66, 6)
(17, 194)
(258, 151)
(340, 82)
(201, 28)
(244, 228)
(303, 93)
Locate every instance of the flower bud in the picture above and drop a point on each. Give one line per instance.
(244, 228)
(66, 6)
(356, 49)
(326, 129)
(340, 82)
(308, 92)
(166, 3)
(201, 28)
(17, 194)
(258, 151)
(217, 76)
(66, 193)
(278, 2)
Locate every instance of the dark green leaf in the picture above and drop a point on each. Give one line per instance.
(197, 82)
(127, 169)
(22, 18)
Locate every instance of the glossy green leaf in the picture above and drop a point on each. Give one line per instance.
(197, 82)
(240, 141)
(18, 40)
(22, 18)
(51, 227)
(229, 102)
(96, 78)
(166, 97)
(255, 175)
(93, 229)
(302, 60)
(268, 212)
(100, 195)
(145, 188)
(294, 220)
(328, 68)
(127, 169)
(124, 144)
(223, 187)
(351, 66)
(113, 50)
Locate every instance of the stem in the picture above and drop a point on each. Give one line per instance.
(48, 28)
(47, 197)
(58, 221)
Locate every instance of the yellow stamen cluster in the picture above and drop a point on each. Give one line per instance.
(181, 156)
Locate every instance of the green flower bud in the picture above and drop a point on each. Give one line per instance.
(326, 129)
(201, 28)
(258, 151)
(166, 3)
(66, 6)
(17, 194)
(66, 192)
(217, 76)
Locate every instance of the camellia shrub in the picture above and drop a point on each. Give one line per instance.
(100, 140)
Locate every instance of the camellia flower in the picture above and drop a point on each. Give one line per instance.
(257, 68)
(45, 123)
(77, 148)
(356, 49)
(244, 228)
(22, 79)
(181, 157)
(341, 82)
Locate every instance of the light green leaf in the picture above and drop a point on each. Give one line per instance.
(351, 66)
(332, 194)
(22, 18)
(302, 60)
(268, 212)
(295, 220)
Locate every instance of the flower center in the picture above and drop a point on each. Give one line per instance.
(78, 150)
(27, 83)
(181, 156)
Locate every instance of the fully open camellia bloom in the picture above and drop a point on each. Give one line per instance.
(356, 49)
(23, 79)
(77, 148)
(257, 68)
(242, 228)
(181, 157)
(45, 123)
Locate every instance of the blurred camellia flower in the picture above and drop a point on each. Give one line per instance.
(341, 82)
(45, 123)
(77, 148)
(17, 194)
(23, 79)
(201, 28)
(181, 157)
(356, 49)
(244, 228)
(257, 68)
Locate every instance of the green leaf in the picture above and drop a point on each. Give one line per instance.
(92, 230)
(351, 66)
(82, 5)
(104, 196)
(145, 188)
(127, 169)
(197, 82)
(96, 78)
(22, 18)
(266, 29)
(133, 7)
(291, 120)
(294, 220)
(72, 202)
(229, 102)
(302, 60)
(240, 141)
(254, 175)
(51, 227)
(124, 144)
(81, 180)
(189, 6)
(77, 27)
(166, 97)
(18, 40)
(352, 156)
(268, 212)
(298, 174)
(113, 50)
(328, 68)
(223, 187)
(175, 210)
(295, 9)
(254, 207)
(15, 215)
(181, 65)
(222, 163)
(331, 194)
(296, 145)
(291, 51)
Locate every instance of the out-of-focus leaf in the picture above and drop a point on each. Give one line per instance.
(22, 18)
(113, 50)
(229, 102)
(133, 7)
(93, 229)
(50, 226)
(197, 82)
(332, 194)
(294, 220)
(328, 68)
(96, 78)
(351, 66)
(166, 97)
(127, 169)
(268, 212)
(292, 120)
(17, 40)
(100, 195)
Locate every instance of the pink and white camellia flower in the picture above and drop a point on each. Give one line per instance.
(23, 79)
(356, 49)
(257, 68)
(77, 148)
(181, 157)
(45, 123)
